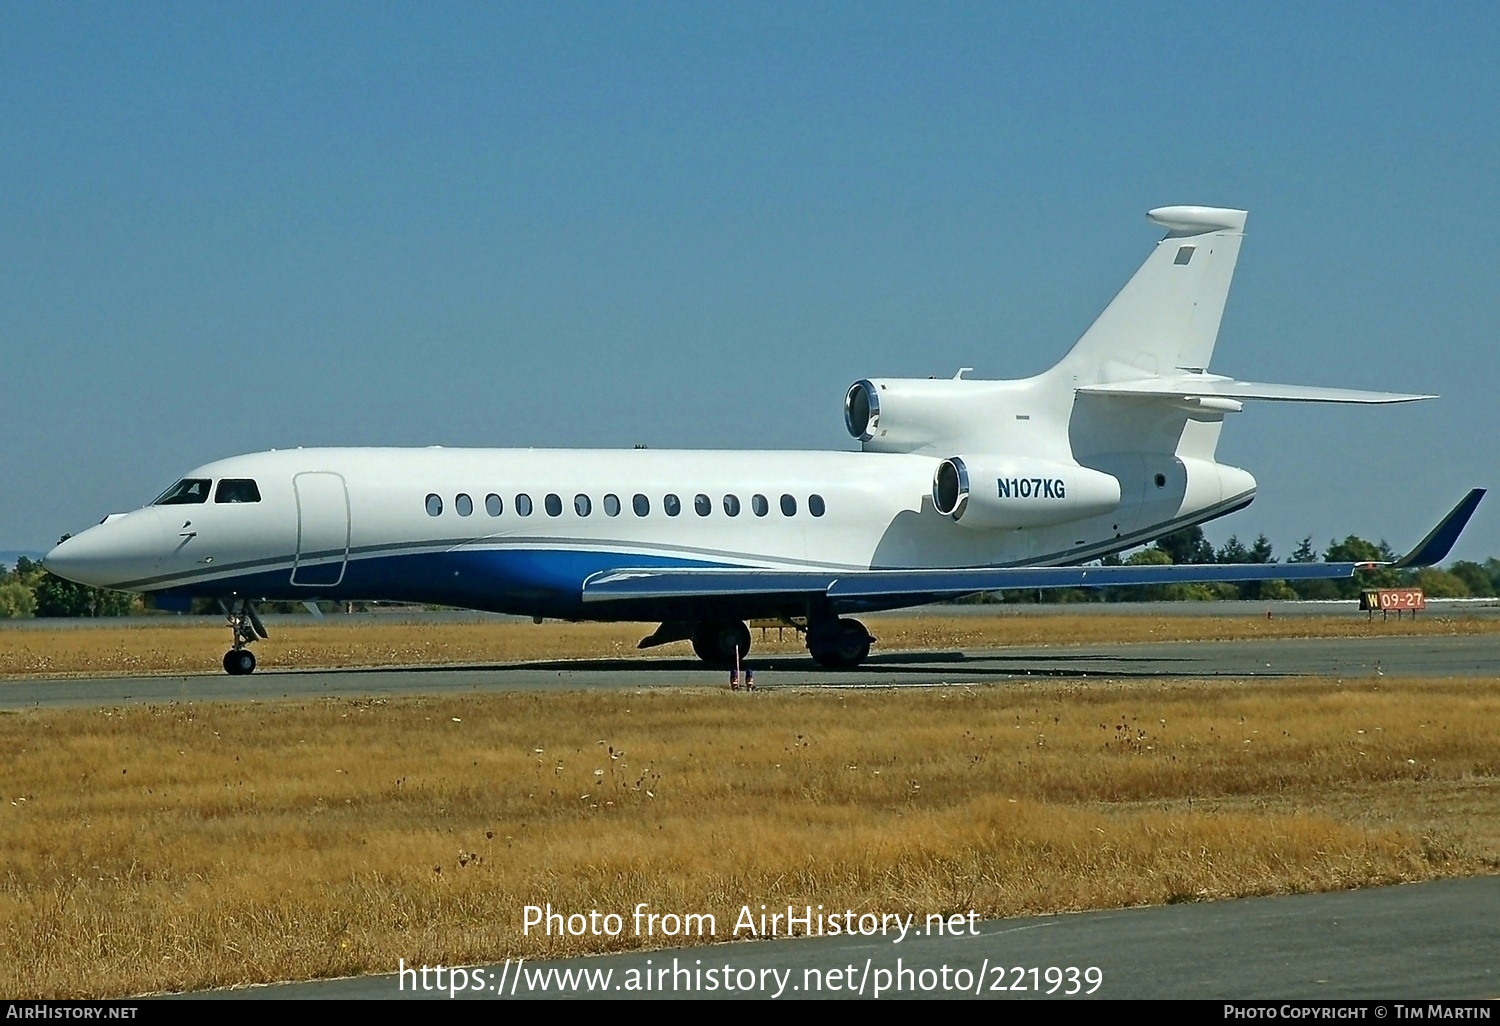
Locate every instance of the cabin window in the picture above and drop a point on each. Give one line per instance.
(815, 505)
(434, 505)
(788, 505)
(523, 505)
(463, 504)
(702, 504)
(732, 505)
(611, 505)
(492, 505)
(671, 504)
(582, 505)
(759, 504)
(187, 492)
(641, 505)
(237, 489)
(553, 504)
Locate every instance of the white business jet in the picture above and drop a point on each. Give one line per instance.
(960, 486)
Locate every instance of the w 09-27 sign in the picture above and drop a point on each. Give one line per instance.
(1390, 600)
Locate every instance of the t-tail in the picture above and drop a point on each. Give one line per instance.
(1166, 319)
(1133, 402)
(1140, 373)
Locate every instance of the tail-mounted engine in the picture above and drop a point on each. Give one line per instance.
(908, 414)
(999, 492)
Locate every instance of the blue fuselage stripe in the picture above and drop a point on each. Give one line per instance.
(504, 580)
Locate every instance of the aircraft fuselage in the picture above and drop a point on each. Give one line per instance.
(520, 530)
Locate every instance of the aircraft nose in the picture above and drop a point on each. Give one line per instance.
(77, 559)
(123, 549)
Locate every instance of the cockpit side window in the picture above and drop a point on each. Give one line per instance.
(188, 492)
(233, 489)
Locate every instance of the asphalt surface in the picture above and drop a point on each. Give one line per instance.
(1427, 941)
(1421, 656)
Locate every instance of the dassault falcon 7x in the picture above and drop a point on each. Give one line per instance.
(960, 486)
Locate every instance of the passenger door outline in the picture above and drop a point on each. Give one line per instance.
(323, 529)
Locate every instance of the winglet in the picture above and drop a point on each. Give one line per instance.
(1435, 547)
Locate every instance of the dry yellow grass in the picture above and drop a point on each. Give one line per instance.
(153, 647)
(181, 846)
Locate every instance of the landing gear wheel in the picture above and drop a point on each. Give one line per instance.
(247, 629)
(715, 641)
(839, 646)
(239, 661)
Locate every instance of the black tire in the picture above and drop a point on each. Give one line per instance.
(239, 661)
(840, 646)
(715, 641)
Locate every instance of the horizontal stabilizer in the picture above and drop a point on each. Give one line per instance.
(1215, 386)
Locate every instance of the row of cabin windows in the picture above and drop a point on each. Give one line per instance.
(640, 504)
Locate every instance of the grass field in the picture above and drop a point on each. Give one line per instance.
(153, 647)
(179, 847)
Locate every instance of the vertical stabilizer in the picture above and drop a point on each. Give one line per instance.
(1166, 318)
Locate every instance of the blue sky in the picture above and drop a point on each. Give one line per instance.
(226, 228)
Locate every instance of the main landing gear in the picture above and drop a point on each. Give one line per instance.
(239, 660)
(721, 643)
(838, 644)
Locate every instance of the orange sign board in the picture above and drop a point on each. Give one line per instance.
(1388, 600)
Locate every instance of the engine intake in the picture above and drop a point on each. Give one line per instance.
(998, 492)
(862, 410)
(913, 414)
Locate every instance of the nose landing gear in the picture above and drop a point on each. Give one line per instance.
(247, 628)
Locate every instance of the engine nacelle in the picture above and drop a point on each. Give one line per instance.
(906, 414)
(1000, 492)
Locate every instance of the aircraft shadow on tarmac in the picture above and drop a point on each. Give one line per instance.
(936, 664)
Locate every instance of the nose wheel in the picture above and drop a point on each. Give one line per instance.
(239, 661)
(247, 628)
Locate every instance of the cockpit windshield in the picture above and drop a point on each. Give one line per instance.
(237, 489)
(187, 492)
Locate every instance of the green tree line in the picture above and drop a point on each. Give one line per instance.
(1463, 579)
(30, 590)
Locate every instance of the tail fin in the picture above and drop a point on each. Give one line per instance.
(1166, 318)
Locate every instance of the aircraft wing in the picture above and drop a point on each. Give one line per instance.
(925, 585)
(922, 586)
(1214, 386)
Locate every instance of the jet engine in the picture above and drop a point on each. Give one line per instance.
(908, 414)
(1001, 492)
